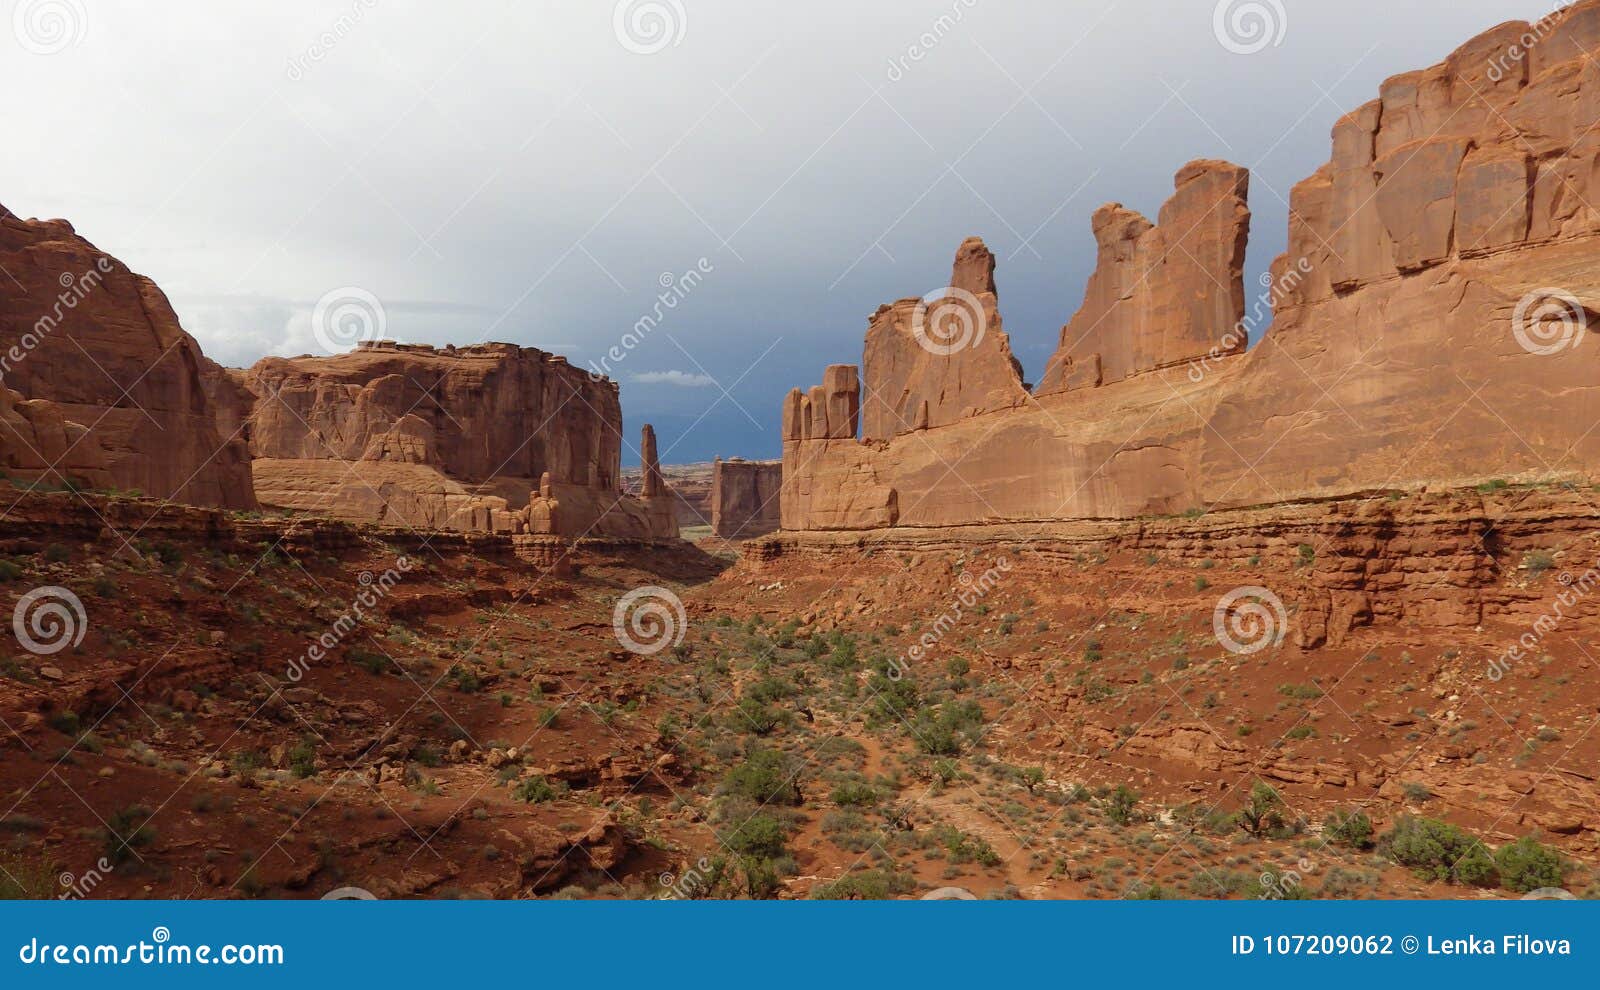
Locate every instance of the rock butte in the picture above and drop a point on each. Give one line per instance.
(744, 498)
(490, 437)
(1395, 358)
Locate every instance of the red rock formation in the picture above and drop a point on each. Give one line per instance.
(1160, 295)
(1431, 324)
(451, 438)
(745, 498)
(937, 360)
(690, 485)
(103, 346)
(38, 443)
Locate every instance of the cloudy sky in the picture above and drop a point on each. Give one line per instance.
(545, 171)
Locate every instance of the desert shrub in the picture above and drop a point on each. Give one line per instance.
(1349, 828)
(1263, 813)
(760, 836)
(535, 790)
(1528, 864)
(855, 794)
(754, 715)
(963, 847)
(303, 758)
(868, 885)
(127, 831)
(25, 879)
(1437, 850)
(765, 777)
(1120, 804)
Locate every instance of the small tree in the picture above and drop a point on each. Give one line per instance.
(1264, 812)
(1349, 828)
(1120, 805)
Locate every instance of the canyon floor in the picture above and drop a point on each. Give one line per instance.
(1012, 716)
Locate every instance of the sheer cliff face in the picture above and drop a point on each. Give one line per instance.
(935, 360)
(745, 498)
(488, 437)
(1429, 327)
(476, 413)
(110, 381)
(1160, 295)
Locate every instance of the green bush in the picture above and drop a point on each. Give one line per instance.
(1437, 850)
(1264, 813)
(535, 790)
(765, 777)
(855, 794)
(1349, 828)
(868, 885)
(1528, 864)
(303, 759)
(126, 831)
(760, 836)
(26, 879)
(1120, 805)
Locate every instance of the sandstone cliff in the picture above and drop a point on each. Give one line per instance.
(745, 498)
(1430, 325)
(933, 361)
(486, 437)
(1160, 295)
(102, 346)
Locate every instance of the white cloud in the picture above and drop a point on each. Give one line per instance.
(682, 379)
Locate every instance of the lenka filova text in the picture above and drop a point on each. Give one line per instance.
(1510, 945)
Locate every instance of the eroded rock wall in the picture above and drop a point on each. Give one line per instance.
(1165, 294)
(109, 381)
(490, 437)
(745, 498)
(935, 360)
(1430, 327)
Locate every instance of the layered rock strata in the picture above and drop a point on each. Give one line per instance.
(491, 437)
(1429, 327)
